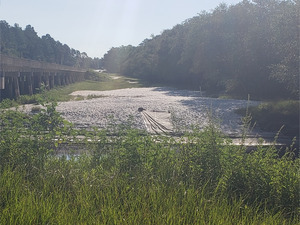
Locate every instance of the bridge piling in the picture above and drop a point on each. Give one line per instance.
(22, 81)
(62, 80)
(38, 81)
(57, 79)
(8, 87)
(16, 86)
(30, 83)
(51, 80)
(2, 81)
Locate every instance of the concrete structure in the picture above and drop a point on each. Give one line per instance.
(24, 77)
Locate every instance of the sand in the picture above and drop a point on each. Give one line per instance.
(178, 109)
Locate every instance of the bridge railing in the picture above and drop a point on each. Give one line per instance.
(11, 64)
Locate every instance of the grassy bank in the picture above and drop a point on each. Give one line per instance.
(94, 81)
(134, 178)
(271, 116)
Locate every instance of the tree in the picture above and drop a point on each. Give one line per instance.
(114, 58)
(27, 44)
(248, 48)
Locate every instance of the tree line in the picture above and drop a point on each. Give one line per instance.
(248, 48)
(25, 43)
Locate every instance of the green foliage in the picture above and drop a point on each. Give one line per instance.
(95, 76)
(27, 44)
(8, 103)
(29, 99)
(247, 48)
(123, 176)
(94, 81)
(114, 58)
(27, 141)
(271, 116)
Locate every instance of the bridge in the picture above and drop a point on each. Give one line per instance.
(20, 76)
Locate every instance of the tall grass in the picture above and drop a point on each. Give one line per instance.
(129, 177)
(271, 116)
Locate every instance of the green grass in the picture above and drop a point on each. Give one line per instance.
(103, 83)
(125, 176)
(94, 81)
(129, 177)
(121, 202)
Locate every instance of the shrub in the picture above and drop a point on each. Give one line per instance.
(133, 178)
(273, 115)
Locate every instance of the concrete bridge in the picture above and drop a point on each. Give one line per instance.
(24, 77)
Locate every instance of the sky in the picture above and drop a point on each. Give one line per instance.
(95, 26)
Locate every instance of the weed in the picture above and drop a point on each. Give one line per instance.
(128, 177)
(273, 115)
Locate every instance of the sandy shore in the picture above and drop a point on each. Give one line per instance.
(179, 110)
(186, 108)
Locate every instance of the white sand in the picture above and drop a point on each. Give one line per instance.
(186, 108)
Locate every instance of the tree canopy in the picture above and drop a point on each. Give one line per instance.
(248, 48)
(15, 41)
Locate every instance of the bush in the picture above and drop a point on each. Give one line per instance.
(29, 99)
(7, 103)
(134, 178)
(273, 115)
(94, 76)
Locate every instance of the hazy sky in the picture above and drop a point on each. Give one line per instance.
(94, 26)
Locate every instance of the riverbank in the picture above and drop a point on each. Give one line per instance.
(275, 116)
(123, 177)
(187, 109)
(104, 99)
